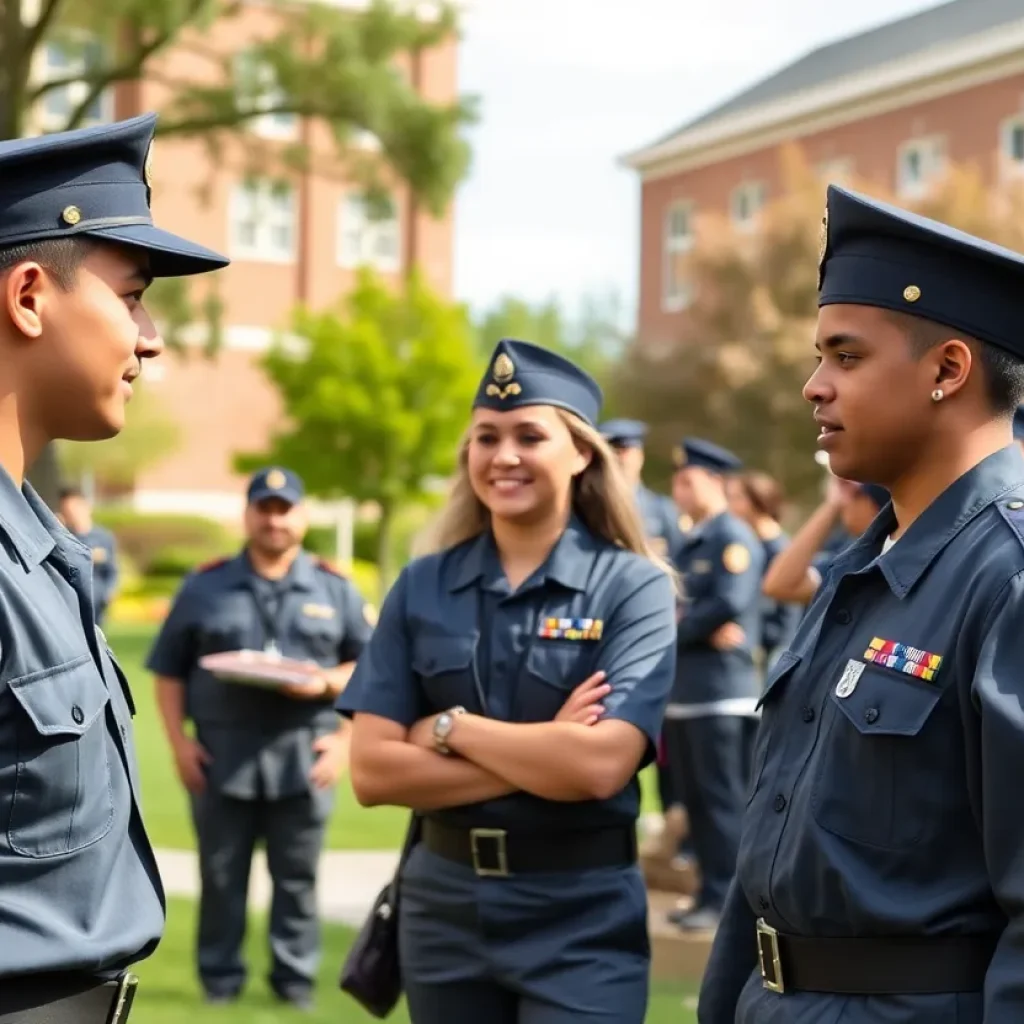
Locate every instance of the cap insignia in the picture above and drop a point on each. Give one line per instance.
(503, 371)
(276, 479)
(911, 293)
(71, 215)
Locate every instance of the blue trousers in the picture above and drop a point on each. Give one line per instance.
(559, 948)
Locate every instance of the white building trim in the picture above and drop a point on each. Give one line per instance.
(976, 60)
(246, 338)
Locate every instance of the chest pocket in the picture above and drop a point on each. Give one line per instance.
(226, 630)
(874, 780)
(444, 665)
(61, 799)
(319, 637)
(774, 688)
(554, 668)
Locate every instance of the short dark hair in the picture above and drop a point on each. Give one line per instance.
(1003, 371)
(70, 491)
(59, 257)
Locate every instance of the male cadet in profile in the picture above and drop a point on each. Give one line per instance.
(76, 515)
(721, 561)
(80, 895)
(261, 764)
(881, 867)
(661, 520)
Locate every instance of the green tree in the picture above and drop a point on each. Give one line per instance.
(150, 435)
(739, 363)
(323, 63)
(593, 338)
(375, 398)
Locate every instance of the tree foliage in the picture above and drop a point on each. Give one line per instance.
(376, 397)
(738, 365)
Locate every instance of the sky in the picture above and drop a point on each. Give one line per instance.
(565, 88)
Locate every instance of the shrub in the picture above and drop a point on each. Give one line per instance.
(154, 543)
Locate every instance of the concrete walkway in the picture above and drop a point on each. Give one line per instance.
(348, 884)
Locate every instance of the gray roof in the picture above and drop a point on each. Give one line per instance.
(931, 28)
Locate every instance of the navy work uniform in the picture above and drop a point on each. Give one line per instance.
(103, 547)
(779, 619)
(547, 922)
(80, 894)
(881, 849)
(261, 743)
(709, 720)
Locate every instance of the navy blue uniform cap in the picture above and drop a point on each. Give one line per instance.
(94, 182)
(276, 482)
(521, 374)
(875, 254)
(693, 451)
(624, 433)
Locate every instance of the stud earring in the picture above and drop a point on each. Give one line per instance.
(938, 395)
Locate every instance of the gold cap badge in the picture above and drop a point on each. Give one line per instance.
(911, 293)
(276, 479)
(503, 371)
(71, 215)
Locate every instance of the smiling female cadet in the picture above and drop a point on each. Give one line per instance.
(880, 868)
(476, 703)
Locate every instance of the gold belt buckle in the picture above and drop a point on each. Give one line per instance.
(501, 852)
(125, 997)
(768, 957)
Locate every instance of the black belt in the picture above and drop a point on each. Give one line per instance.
(880, 965)
(66, 999)
(493, 852)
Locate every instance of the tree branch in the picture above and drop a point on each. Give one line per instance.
(46, 18)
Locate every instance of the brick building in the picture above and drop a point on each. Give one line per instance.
(893, 106)
(294, 237)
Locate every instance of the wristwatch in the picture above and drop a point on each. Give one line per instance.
(443, 727)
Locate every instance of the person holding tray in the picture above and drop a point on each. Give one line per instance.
(513, 689)
(264, 758)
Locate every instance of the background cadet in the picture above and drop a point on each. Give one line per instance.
(893, 729)
(716, 686)
(261, 764)
(758, 500)
(661, 521)
(513, 689)
(795, 574)
(76, 515)
(80, 895)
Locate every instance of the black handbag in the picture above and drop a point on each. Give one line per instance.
(371, 972)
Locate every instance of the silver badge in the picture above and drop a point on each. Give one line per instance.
(848, 682)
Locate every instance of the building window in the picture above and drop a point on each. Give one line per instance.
(678, 243)
(918, 164)
(1012, 146)
(746, 202)
(368, 238)
(66, 61)
(257, 88)
(262, 225)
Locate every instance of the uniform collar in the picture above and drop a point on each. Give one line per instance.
(33, 529)
(301, 576)
(905, 563)
(569, 562)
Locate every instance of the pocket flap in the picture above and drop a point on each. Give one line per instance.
(786, 662)
(64, 701)
(433, 655)
(886, 703)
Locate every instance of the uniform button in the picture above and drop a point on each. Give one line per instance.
(807, 714)
(72, 573)
(780, 803)
(762, 903)
(871, 716)
(77, 714)
(843, 617)
(1014, 505)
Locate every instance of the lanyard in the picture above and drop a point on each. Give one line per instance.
(267, 600)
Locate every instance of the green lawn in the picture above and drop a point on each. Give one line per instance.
(169, 994)
(352, 827)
